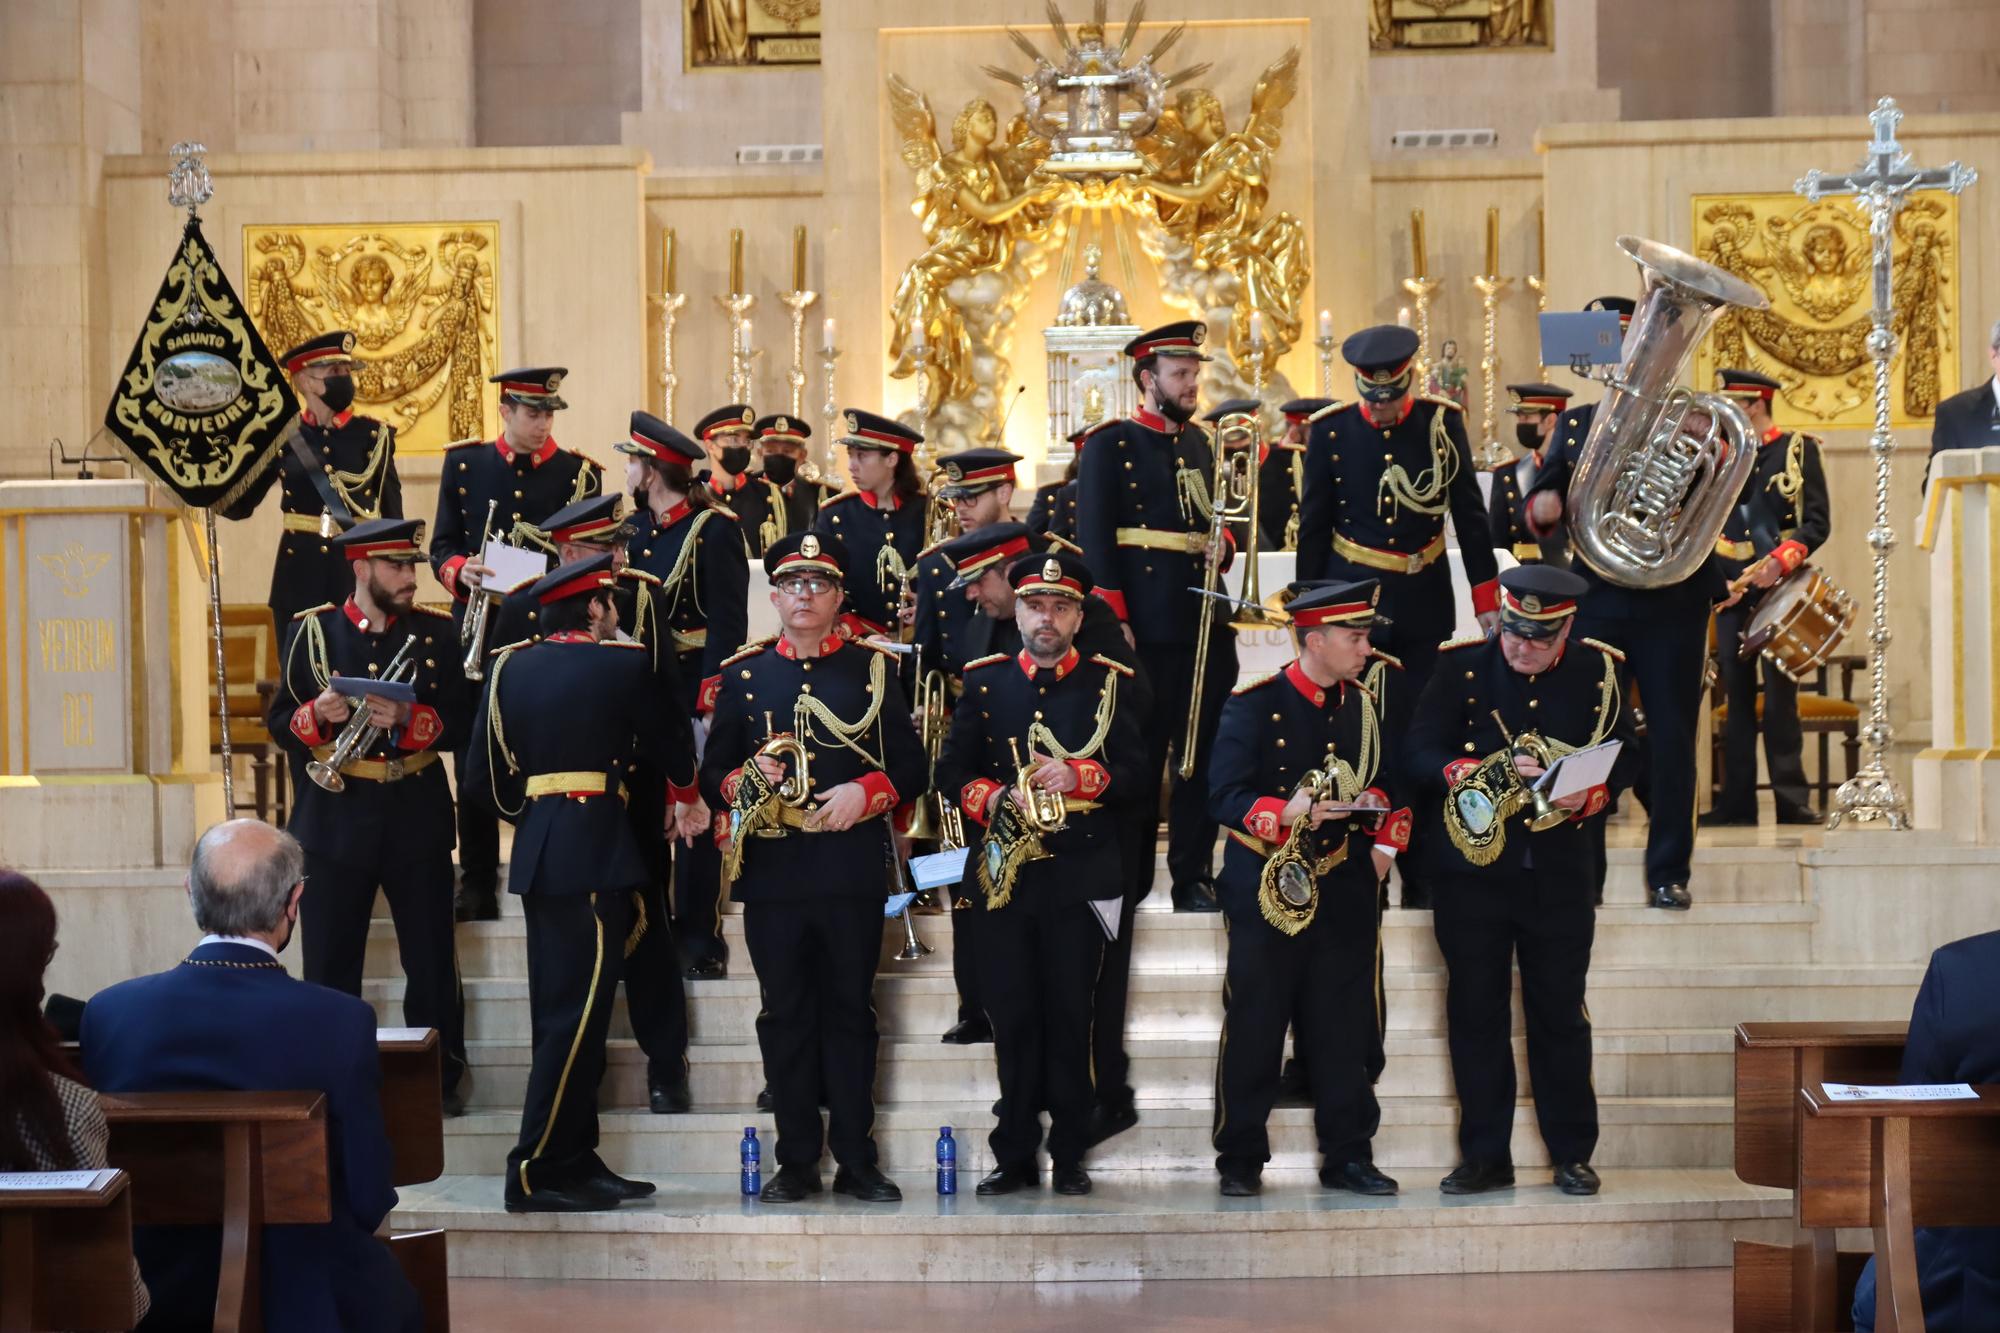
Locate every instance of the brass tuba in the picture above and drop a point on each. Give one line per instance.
(1650, 496)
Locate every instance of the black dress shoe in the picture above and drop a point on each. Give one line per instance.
(1477, 1178)
(791, 1184)
(1357, 1178)
(623, 1187)
(706, 969)
(1007, 1180)
(667, 1093)
(1670, 897)
(476, 905)
(867, 1184)
(454, 1101)
(1072, 1179)
(1196, 897)
(1721, 818)
(1799, 814)
(764, 1098)
(1109, 1121)
(968, 1032)
(1241, 1182)
(582, 1196)
(1577, 1178)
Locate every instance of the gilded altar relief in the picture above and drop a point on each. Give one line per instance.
(422, 303)
(747, 34)
(1813, 262)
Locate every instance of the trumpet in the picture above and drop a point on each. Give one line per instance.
(795, 788)
(1044, 811)
(359, 735)
(479, 606)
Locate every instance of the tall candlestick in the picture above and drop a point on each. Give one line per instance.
(1418, 262)
(669, 305)
(735, 260)
(827, 341)
(667, 261)
(1492, 240)
(1491, 287)
(1326, 323)
(798, 259)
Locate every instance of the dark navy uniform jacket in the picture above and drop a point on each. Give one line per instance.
(229, 1018)
(702, 599)
(1042, 509)
(568, 705)
(852, 679)
(944, 614)
(308, 572)
(1004, 696)
(768, 510)
(1274, 730)
(1127, 478)
(414, 812)
(874, 587)
(1506, 524)
(529, 488)
(1783, 509)
(1572, 702)
(1347, 455)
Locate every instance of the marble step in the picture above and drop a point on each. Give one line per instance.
(1196, 942)
(1189, 1004)
(1164, 1069)
(1134, 1225)
(1417, 1134)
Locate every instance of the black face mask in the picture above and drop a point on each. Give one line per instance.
(779, 469)
(1175, 413)
(1527, 434)
(1381, 393)
(338, 391)
(733, 458)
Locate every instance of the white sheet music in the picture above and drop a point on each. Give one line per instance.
(22, 1181)
(1580, 771)
(938, 869)
(1901, 1092)
(513, 566)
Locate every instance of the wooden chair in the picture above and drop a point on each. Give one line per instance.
(66, 1256)
(1821, 714)
(251, 667)
(240, 1160)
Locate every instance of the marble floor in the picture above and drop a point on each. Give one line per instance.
(1669, 1301)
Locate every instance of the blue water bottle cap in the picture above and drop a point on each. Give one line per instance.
(946, 1131)
(749, 1131)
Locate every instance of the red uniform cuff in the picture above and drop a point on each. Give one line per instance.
(1594, 801)
(704, 698)
(1115, 599)
(1091, 778)
(679, 795)
(881, 792)
(1790, 554)
(448, 576)
(422, 730)
(305, 724)
(1486, 597)
(719, 832)
(1395, 830)
(1266, 819)
(974, 795)
(1457, 769)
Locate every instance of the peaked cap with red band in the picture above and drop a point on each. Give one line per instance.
(1183, 339)
(735, 419)
(867, 430)
(653, 438)
(334, 349)
(598, 518)
(1534, 399)
(533, 386)
(578, 578)
(806, 553)
(975, 552)
(1056, 572)
(972, 471)
(1535, 600)
(1746, 386)
(398, 539)
(782, 428)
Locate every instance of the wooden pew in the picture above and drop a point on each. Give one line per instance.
(1774, 1061)
(240, 1160)
(1892, 1167)
(66, 1255)
(413, 1111)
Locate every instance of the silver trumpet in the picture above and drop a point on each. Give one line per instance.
(479, 606)
(358, 737)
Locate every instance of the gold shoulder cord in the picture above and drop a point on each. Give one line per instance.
(1191, 489)
(775, 520)
(1424, 494)
(810, 708)
(1792, 480)
(645, 623)
(1107, 703)
(496, 732)
(368, 474)
(684, 566)
(586, 482)
(889, 567)
(316, 662)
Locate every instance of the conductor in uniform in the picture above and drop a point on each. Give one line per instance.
(1042, 727)
(882, 521)
(523, 476)
(1298, 750)
(382, 819)
(1537, 409)
(811, 750)
(1512, 873)
(340, 470)
(1782, 518)
(561, 723)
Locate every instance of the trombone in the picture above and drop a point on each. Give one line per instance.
(936, 817)
(358, 737)
(472, 629)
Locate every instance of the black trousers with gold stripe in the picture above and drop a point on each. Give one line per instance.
(576, 949)
(1321, 982)
(1038, 967)
(1485, 922)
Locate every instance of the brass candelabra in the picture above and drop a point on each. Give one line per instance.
(797, 302)
(669, 305)
(1421, 290)
(738, 305)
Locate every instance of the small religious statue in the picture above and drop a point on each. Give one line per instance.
(1448, 375)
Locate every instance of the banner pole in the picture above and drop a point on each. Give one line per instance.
(221, 668)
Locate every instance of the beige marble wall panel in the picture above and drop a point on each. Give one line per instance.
(555, 71)
(571, 281)
(1639, 177)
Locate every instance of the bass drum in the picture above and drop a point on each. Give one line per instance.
(1799, 623)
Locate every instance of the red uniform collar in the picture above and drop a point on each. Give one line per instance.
(1064, 665)
(1312, 691)
(1409, 405)
(361, 622)
(571, 636)
(1154, 421)
(675, 515)
(539, 457)
(1771, 435)
(340, 418)
(827, 647)
(870, 499)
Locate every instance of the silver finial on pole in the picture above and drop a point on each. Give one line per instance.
(188, 185)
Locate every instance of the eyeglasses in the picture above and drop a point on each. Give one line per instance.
(806, 587)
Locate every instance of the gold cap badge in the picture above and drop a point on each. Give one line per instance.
(809, 546)
(555, 381)
(1052, 571)
(1531, 604)
(853, 422)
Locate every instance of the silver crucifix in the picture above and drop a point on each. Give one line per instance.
(1880, 186)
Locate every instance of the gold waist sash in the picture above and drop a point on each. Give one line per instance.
(309, 523)
(570, 784)
(1393, 562)
(792, 816)
(1159, 539)
(1527, 551)
(380, 770)
(688, 640)
(1730, 550)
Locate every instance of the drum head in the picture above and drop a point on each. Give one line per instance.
(1776, 607)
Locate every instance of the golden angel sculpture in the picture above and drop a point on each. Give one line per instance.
(987, 220)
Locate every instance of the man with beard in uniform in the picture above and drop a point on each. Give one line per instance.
(1537, 409)
(521, 477)
(1382, 474)
(342, 472)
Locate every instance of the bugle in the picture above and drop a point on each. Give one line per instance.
(358, 737)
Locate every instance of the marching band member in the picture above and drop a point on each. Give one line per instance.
(777, 499)
(882, 521)
(1537, 410)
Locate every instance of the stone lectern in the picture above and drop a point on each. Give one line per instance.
(1957, 779)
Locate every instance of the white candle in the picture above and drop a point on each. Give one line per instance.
(826, 338)
(1403, 317)
(1326, 324)
(744, 325)
(1256, 328)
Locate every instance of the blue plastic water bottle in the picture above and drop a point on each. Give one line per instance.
(753, 1162)
(947, 1158)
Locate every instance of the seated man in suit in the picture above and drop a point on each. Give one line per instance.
(1969, 419)
(229, 1017)
(1954, 1038)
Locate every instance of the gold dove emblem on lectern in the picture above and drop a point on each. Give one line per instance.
(75, 568)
